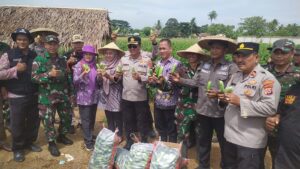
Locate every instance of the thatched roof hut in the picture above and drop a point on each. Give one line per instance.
(93, 24)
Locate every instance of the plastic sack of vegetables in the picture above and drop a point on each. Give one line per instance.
(164, 157)
(122, 159)
(104, 150)
(140, 154)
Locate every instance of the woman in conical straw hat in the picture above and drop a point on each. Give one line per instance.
(210, 112)
(185, 113)
(112, 88)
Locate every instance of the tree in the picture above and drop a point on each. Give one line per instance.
(203, 29)
(171, 28)
(212, 15)
(227, 30)
(253, 26)
(185, 29)
(146, 31)
(194, 27)
(123, 25)
(272, 27)
(289, 30)
(158, 26)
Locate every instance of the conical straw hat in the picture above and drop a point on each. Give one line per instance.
(48, 31)
(205, 42)
(111, 46)
(194, 49)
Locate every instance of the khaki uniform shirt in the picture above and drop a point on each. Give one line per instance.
(245, 124)
(134, 90)
(207, 71)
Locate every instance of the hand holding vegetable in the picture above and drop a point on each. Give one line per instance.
(54, 72)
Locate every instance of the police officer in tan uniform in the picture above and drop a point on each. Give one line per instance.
(134, 104)
(254, 98)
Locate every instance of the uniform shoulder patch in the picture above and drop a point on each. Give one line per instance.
(268, 86)
(289, 99)
(206, 66)
(253, 74)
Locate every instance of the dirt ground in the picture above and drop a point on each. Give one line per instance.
(43, 160)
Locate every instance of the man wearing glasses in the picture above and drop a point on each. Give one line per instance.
(255, 96)
(152, 55)
(134, 68)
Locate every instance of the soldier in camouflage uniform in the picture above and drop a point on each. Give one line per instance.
(185, 112)
(49, 71)
(287, 74)
(296, 59)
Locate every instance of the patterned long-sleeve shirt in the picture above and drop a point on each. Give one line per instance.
(113, 98)
(51, 89)
(167, 94)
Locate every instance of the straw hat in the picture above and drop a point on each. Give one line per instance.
(205, 42)
(194, 49)
(47, 31)
(111, 46)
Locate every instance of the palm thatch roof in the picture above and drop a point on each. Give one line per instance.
(93, 24)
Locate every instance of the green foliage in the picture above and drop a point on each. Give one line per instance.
(289, 30)
(158, 26)
(171, 28)
(193, 26)
(122, 25)
(227, 30)
(254, 26)
(145, 32)
(212, 15)
(184, 29)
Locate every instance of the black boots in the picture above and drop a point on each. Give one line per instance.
(19, 156)
(53, 149)
(64, 140)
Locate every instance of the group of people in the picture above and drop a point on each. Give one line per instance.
(250, 107)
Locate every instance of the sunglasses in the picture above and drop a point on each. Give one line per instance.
(132, 46)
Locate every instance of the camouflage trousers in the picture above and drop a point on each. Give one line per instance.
(184, 119)
(47, 115)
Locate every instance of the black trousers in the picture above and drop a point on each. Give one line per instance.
(114, 120)
(239, 157)
(25, 121)
(165, 124)
(137, 118)
(273, 144)
(204, 129)
(88, 118)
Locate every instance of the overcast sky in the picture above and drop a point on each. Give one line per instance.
(141, 13)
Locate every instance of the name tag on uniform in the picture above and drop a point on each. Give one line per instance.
(224, 67)
(205, 71)
(222, 73)
(206, 66)
(17, 60)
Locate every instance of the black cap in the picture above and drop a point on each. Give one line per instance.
(22, 31)
(247, 48)
(283, 44)
(134, 40)
(51, 38)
